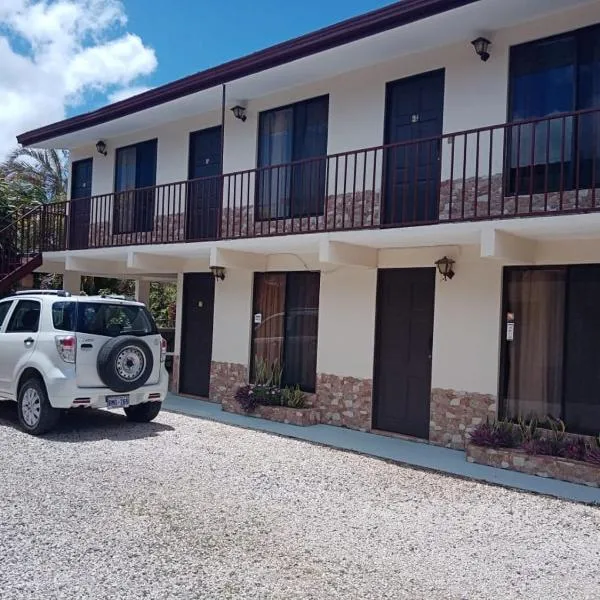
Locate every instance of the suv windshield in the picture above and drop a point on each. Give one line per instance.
(103, 318)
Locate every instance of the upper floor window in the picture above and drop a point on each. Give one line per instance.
(293, 133)
(549, 77)
(135, 173)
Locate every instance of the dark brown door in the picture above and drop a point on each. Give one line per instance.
(205, 188)
(415, 110)
(197, 332)
(405, 302)
(79, 207)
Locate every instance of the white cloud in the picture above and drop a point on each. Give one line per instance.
(54, 52)
(127, 92)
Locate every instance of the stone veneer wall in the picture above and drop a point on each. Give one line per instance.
(167, 228)
(454, 414)
(225, 378)
(344, 211)
(544, 466)
(485, 197)
(344, 401)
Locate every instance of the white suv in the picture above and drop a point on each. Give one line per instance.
(59, 351)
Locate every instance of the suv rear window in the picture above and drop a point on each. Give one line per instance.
(106, 319)
(112, 320)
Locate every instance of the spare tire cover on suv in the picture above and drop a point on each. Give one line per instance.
(125, 363)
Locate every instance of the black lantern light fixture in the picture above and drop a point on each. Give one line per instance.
(239, 112)
(482, 47)
(101, 147)
(445, 267)
(218, 273)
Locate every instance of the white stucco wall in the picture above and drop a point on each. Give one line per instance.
(347, 322)
(475, 96)
(233, 317)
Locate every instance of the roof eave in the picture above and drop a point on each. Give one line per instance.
(378, 21)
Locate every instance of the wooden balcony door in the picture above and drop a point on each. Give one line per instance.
(204, 194)
(415, 110)
(80, 206)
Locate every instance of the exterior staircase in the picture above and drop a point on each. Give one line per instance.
(24, 240)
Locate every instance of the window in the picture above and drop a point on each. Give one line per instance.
(25, 317)
(112, 320)
(4, 308)
(549, 77)
(293, 133)
(63, 316)
(551, 348)
(286, 317)
(135, 172)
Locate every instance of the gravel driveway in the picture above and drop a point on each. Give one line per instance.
(184, 508)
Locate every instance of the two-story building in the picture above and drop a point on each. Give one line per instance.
(401, 209)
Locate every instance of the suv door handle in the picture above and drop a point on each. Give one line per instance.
(28, 341)
(86, 346)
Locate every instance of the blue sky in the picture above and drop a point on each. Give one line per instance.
(59, 58)
(194, 35)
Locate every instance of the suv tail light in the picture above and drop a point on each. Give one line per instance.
(163, 350)
(67, 347)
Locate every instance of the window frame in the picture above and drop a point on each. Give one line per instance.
(13, 313)
(569, 175)
(138, 195)
(503, 374)
(309, 389)
(297, 214)
(4, 321)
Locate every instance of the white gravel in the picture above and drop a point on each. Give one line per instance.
(185, 508)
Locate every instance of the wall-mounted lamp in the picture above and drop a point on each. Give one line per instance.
(482, 47)
(239, 112)
(101, 147)
(445, 267)
(218, 272)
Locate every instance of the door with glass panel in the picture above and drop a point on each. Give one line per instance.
(551, 346)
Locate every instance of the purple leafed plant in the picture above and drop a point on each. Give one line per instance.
(574, 449)
(592, 454)
(540, 447)
(493, 434)
(247, 398)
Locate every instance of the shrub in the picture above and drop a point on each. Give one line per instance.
(246, 398)
(528, 429)
(592, 454)
(293, 397)
(493, 434)
(541, 447)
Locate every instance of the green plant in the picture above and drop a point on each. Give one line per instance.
(267, 374)
(293, 397)
(262, 371)
(528, 429)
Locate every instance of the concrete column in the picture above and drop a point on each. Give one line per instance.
(142, 291)
(72, 282)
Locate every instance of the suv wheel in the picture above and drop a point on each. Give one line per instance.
(36, 415)
(143, 413)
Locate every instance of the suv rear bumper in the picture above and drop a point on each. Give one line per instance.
(66, 394)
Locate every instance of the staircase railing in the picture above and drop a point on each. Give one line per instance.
(24, 239)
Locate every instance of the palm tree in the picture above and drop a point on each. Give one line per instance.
(43, 170)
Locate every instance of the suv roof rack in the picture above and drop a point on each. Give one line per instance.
(60, 293)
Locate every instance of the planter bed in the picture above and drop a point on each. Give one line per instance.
(573, 471)
(282, 414)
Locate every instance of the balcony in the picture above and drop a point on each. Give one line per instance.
(531, 168)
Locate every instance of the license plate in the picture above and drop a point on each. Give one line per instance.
(117, 401)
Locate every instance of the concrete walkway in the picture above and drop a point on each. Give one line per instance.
(426, 456)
